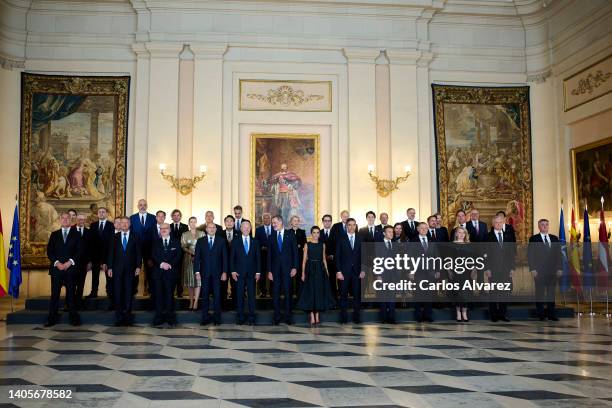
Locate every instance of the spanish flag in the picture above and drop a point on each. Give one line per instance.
(4, 275)
(574, 256)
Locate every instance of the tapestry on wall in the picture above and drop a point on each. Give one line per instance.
(285, 177)
(73, 153)
(592, 175)
(483, 146)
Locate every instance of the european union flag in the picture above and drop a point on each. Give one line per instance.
(14, 259)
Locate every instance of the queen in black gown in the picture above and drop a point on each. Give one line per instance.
(316, 293)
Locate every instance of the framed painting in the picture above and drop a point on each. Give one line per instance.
(285, 177)
(592, 175)
(483, 149)
(73, 153)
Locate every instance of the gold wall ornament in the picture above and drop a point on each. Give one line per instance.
(183, 185)
(591, 82)
(285, 95)
(384, 187)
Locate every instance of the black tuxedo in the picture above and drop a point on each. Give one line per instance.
(280, 262)
(349, 262)
(423, 305)
(123, 263)
(102, 241)
(410, 232)
(246, 265)
(262, 238)
(164, 281)
(501, 260)
(546, 260)
(88, 251)
(211, 263)
(61, 252)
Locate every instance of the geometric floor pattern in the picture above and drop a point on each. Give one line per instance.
(475, 365)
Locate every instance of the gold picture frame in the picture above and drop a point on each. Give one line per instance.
(300, 151)
(483, 146)
(285, 95)
(73, 153)
(587, 157)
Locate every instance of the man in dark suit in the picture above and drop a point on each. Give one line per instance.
(166, 257)
(245, 265)
(388, 249)
(544, 255)
(84, 262)
(63, 251)
(369, 232)
(210, 265)
(478, 230)
(102, 235)
(422, 245)
(142, 224)
(177, 228)
(262, 235)
(209, 218)
(229, 234)
(338, 230)
(237, 218)
(500, 263)
(384, 221)
(461, 221)
(124, 261)
(507, 227)
(409, 226)
(330, 249)
(300, 240)
(350, 271)
(282, 267)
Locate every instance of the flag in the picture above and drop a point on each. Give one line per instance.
(588, 279)
(564, 283)
(604, 268)
(4, 275)
(574, 256)
(14, 260)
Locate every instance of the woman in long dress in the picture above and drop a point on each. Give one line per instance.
(188, 243)
(461, 249)
(316, 293)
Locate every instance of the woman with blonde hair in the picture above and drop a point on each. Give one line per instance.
(188, 243)
(461, 249)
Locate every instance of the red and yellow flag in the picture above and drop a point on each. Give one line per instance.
(574, 256)
(4, 274)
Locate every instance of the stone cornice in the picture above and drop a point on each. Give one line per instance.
(361, 55)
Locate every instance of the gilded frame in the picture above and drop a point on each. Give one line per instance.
(34, 253)
(573, 153)
(317, 154)
(450, 94)
(288, 82)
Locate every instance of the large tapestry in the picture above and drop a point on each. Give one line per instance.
(483, 144)
(285, 177)
(73, 153)
(592, 175)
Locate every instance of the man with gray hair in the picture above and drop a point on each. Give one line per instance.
(166, 254)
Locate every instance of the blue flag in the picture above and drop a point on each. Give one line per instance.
(564, 282)
(14, 259)
(588, 277)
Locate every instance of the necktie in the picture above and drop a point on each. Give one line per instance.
(499, 238)
(344, 227)
(546, 241)
(424, 240)
(433, 233)
(176, 226)
(142, 220)
(210, 242)
(65, 233)
(279, 237)
(166, 243)
(389, 245)
(246, 245)
(267, 231)
(371, 232)
(124, 242)
(101, 227)
(81, 231)
(352, 242)
(158, 232)
(229, 235)
(476, 226)
(238, 224)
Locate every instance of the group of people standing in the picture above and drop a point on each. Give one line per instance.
(238, 263)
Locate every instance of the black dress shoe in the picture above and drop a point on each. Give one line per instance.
(504, 319)
(91, 296)
(251, 322)
(356, 320)
(554, 318)
(205, 322)
(429, 320)
(50, 323)
(494, 319)
(542, 318)
(157, 323)
(119, 323)
(343, 320)
(289, 322)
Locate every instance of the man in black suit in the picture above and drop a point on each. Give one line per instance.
(388, 249)
(176, 231)
(507, 227)
(102, 235)
(84, 262)
(338, 230)
(238, 218)
(409, 226)
(209, 218)
(282, 267)
(478, 230)
(369, 232)
(329, 253)
(300, 240)
(544, 255)
(123, 261)
(229, 234)
(245, 265)
(350, 271)
(422, 245)
(384, 221)
(142, 224)
(262, 235)
(210, 265)
(500, 263)
(461, 221)
(166, 257)
(63, 251)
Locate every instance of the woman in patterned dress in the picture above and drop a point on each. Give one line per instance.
(188, 243)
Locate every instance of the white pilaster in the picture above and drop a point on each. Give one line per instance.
(139, 166)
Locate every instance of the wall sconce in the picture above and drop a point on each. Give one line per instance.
(385, 187)
(183, 185)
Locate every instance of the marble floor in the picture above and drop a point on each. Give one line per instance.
(446, 364)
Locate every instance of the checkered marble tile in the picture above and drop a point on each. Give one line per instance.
(523, 364)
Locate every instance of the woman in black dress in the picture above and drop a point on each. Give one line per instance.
(461, 249)
(316, 293)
